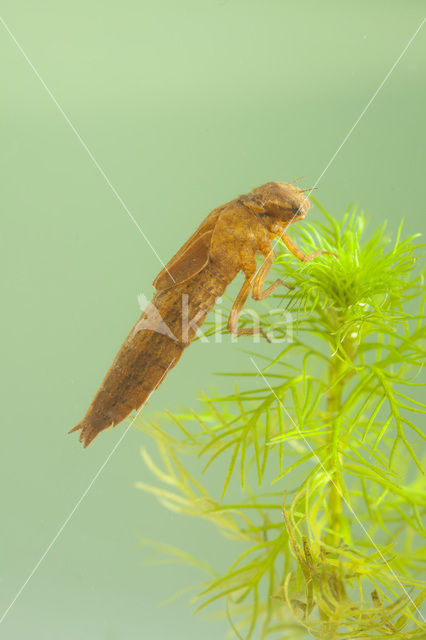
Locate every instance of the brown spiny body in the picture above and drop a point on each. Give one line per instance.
(226, 242)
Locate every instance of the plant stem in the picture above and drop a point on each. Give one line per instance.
(337, 380)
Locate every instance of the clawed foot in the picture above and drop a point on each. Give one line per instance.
(264, 334)
(320, 252)
(285, 284)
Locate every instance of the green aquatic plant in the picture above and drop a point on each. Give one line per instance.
(320, 448)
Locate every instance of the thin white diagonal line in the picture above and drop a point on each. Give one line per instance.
(85, 147)
(369, 103)
(349, 506)
(329, 163)
(62, 527)
(80, 500)
(351, 130)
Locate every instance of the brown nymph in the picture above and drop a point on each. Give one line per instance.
(225, 243)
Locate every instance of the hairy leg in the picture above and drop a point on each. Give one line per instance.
(261, 276)
(249, 269)
(304, 257)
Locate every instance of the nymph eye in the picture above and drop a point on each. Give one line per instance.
(295, 208)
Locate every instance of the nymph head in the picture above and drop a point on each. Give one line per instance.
(279, 200)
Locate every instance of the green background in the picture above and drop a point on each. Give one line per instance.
(184, 105)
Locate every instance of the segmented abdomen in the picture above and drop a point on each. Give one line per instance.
(153, 347)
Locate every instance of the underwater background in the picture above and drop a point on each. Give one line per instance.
(164, 110)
